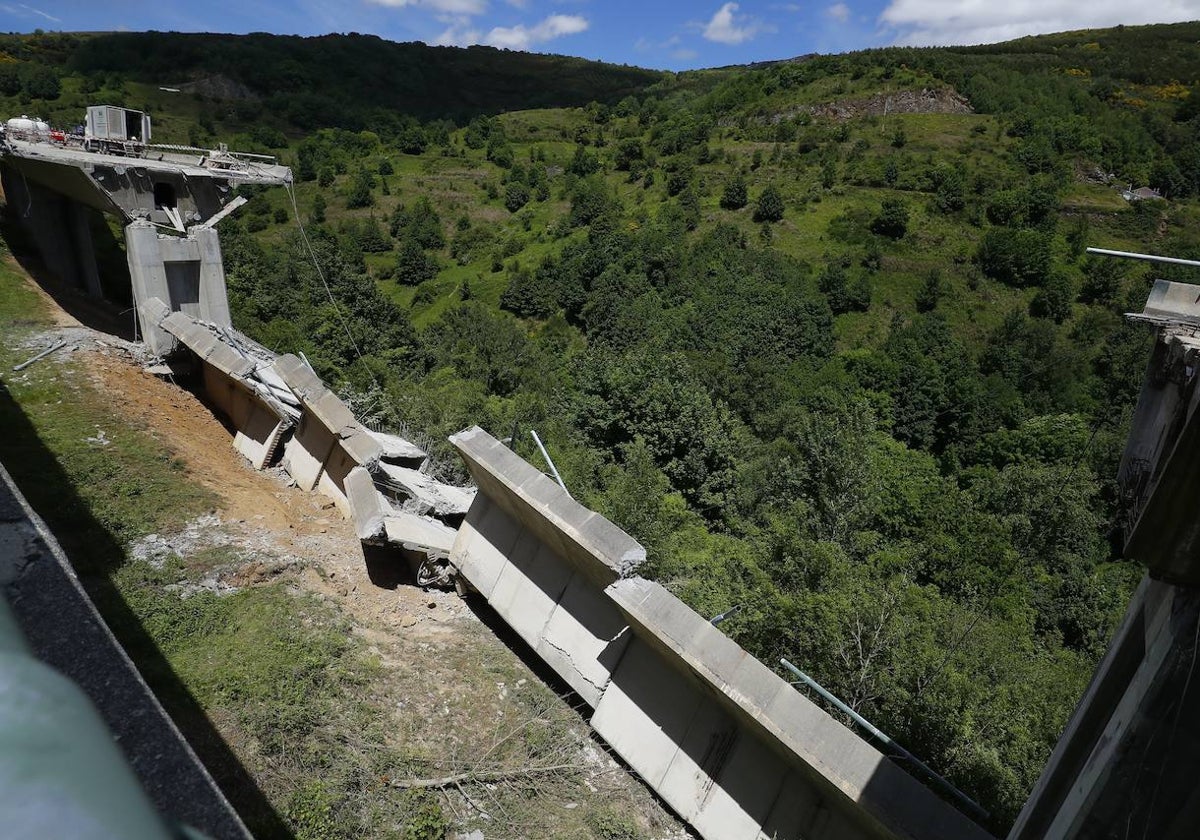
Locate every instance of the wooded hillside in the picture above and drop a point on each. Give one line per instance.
(821, 334)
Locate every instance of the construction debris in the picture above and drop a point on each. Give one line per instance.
(282, 412)
(53, 348)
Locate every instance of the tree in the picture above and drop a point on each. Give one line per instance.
(844, 295)
(951, 188)
(769, 207)
(584, 162)
(318, 209)
(1054, 299)
(413, 265)
(628, 151)
(39, 82)
(589, 201)
(516, 196)
(892, 220)
(499, 152)
(930, 292)
(1016, 257)
(734, 196)
(360, 190)
(421, 223)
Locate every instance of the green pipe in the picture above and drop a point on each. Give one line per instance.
(969, 804)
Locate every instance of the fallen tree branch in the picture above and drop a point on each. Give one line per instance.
(478, 776)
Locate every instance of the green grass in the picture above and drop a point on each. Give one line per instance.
(275, 663)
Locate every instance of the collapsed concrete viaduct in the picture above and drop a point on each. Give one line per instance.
(732, 748)
(729, 745)
(168, 199)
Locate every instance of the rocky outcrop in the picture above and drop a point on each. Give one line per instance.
(944, 100)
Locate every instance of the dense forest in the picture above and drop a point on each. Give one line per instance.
(822, 334)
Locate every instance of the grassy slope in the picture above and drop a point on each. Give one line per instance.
(293, 713)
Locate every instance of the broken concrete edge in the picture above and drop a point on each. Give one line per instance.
(328, 410)
(1173, 302)
(443, 499)
(837, 758)
(154, 311)
(419, 533)
(367, 506)
(398, 448)
(602, 549)
(207, 345)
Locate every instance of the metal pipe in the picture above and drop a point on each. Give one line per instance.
(717, 619)
(58, 346)
(971, 805)
(546, 455)
(1131, 255)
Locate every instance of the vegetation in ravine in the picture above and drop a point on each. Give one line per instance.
(822, 334)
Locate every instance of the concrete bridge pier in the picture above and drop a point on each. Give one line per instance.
(185, 272)
(59, 226)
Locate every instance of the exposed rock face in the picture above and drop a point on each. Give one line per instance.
(943, 100)
(220, 87)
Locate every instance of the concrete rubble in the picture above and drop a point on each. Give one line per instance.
(281, 412)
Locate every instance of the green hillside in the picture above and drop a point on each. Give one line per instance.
(821, 334)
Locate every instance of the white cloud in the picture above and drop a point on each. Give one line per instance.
(839, 12)
(458, 34)
(522, 37)
(727, 27)
(450, 7)
(940, 22)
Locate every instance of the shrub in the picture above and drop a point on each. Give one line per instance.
(734, 196)
(769, 207)
(892, 220)
(516, 196)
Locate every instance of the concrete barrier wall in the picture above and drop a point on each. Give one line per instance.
(258, 425)
(329, 442)
(728, 744)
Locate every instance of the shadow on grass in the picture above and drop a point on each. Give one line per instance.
(115, 318)
(96, 554)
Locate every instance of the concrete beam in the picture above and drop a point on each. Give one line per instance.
(757, 706)
(329, 441)
(732, 747)
(368, 509)
(421, 533)
(552, 604)
(596, 546)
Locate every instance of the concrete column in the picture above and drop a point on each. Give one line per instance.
(148, 276)
(185, 272)
(214, 301)
(47, 218)
(85, 250)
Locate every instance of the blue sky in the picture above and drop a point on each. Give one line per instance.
(672, 35)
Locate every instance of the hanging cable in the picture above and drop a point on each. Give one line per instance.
(321, 274)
